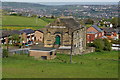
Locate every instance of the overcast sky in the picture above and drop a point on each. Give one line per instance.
(60, 0)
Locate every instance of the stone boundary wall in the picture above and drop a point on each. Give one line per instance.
(63, 51)
(89, 50)
(67, 51)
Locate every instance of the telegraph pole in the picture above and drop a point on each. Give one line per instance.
(71, 47)
(36, 19)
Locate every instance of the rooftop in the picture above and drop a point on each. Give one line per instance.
(27, 31)
(97, 28)
(108, 29)
(67, 22)
(44, 49)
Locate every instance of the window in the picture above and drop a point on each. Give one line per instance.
(48, 40)
(95, 35)
(88, 36)
(55, 53)
(51, 53)
(44, 57)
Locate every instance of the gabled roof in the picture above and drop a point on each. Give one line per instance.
(39, 30)
(97, 28)
(67, 22)
(6, 33)
(27, 31)
(92, 32)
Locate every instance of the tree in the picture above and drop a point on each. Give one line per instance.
(5, 53)
(99, 45)
(107, 45)
(52, 17)
(15, 38)
(89, 21)
(114, 21)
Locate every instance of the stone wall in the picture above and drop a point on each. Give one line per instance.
(38, 36)
(63, 51)
(89, 50)
(38, 54)
(51, 33)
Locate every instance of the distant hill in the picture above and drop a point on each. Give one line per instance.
(23, 5)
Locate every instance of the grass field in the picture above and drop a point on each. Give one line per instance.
(93, 65)
(18, 22)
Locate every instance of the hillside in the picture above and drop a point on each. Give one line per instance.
(19, 22)
(93, 65)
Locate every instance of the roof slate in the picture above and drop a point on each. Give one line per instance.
(97, 28)
(27, 31)
(68, 22)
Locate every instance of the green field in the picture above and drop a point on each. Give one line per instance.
(93, 65)
(18, 22)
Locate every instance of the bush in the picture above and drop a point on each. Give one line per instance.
(90, 45)
(14, 14)
(89, 21)
(115, 41)
(99, 45)
(5, 53)
(102, 44)
(107, 45)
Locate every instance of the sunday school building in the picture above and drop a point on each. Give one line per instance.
(63, 33)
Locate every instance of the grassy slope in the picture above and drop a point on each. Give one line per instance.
(95, 65)
(24, 21)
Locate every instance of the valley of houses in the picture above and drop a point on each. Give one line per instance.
(64, 35)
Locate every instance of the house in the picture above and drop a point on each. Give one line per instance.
(110, 33)
(93, 33)
(27, 35)
(43, 53)
(38, 36)
(6, 34)
(66, 32)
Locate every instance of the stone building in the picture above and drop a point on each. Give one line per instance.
(27, 35)
(43, 53)
(38, 36)
(63, 33)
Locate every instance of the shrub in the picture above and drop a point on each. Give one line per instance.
(115, 41)
(5, 53)
(99, 45)
(90, 45)
(107, 45)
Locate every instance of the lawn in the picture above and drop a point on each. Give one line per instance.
(19, 22)
(93, 65)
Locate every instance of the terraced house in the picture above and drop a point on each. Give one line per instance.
(25, 35)
(66, 33)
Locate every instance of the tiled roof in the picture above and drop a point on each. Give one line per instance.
(97, 28)
(108, 30)
(67, 22)
(91, 32)
(6, 33)
(27, 31)
(39, 30)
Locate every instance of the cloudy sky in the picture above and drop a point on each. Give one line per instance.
(61, 0)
